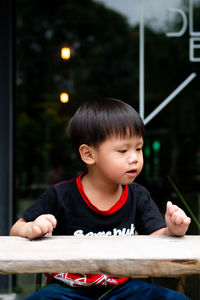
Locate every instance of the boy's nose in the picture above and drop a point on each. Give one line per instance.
(132, 158)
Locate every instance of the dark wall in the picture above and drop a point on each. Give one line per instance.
(6, 121)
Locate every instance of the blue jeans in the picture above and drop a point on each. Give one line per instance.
(130, 290)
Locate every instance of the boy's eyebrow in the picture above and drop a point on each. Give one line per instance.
(140, 143)
(124, 143)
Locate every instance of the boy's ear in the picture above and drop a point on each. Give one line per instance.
(87, 154)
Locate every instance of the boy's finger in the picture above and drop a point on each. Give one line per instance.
(187, 221)
(172, 208)
(36, 230)
(51, 219)
(169, 204)
(178, 220)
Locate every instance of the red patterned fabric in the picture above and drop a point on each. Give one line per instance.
(75, 279)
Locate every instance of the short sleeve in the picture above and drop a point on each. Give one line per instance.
(45, 204)
(148, 216)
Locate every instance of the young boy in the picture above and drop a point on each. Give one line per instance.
(108, 134)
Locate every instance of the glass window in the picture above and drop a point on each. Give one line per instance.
(145, 53)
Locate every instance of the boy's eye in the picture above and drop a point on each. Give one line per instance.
(122, 151)
(139, 149)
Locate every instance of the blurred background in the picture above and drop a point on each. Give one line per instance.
(55, 55)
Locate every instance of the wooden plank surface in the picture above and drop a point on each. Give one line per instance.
(137, 256)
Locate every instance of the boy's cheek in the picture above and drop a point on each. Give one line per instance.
(142, 163)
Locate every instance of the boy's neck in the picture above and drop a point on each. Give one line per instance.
(100, 193)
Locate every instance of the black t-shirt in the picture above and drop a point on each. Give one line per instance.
(75, 214)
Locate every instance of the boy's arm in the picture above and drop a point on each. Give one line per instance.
(40, 226)
(176, 220)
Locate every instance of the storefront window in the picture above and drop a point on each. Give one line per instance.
(145, 53)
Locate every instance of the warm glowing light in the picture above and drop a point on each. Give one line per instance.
(64, 97)
(65, 53)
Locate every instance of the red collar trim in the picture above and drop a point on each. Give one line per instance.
(111, 210)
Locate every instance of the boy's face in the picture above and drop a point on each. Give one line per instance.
(119, 159)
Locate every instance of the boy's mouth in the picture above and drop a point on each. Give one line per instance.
(132, 173)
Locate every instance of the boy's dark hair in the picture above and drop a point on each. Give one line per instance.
(94, 121)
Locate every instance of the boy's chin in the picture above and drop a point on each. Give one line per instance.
(128, 181)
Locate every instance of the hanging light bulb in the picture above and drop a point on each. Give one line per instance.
(65, 53)
(64, 97)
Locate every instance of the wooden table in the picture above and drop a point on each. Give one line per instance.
(137, 256)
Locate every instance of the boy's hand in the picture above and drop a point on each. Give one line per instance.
(42, 225)
(176, 220)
